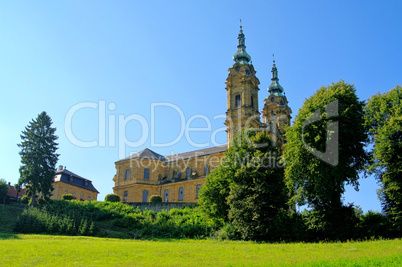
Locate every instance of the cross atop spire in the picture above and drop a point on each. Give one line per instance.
(241, 55)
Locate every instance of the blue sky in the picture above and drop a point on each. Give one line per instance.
(118, 59)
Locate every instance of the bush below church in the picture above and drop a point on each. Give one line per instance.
(113, 219)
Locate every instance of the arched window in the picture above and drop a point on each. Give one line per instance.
(206, 170)
(237, 101)
(188, 172)
(166, 195)
(127, 175)
(252, 101)
(181, 194)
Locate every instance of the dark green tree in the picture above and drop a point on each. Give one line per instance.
(38, 157)
(67, 197)
(247, 190)
(258, 192)
(112, 198)
(4, 188)
(214, 194)
(155, 199)
(384, 120)
(325, 151)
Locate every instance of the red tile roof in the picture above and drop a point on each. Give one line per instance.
(13, 193)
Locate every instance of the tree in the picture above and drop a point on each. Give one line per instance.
(325, 149)
(4, 188)
(112, 198)
(38, 157)
(384, 119)
(67, 197)
(213, 197)
(155, 199)
(247, 189)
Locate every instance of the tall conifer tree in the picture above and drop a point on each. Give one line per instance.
(38, 157)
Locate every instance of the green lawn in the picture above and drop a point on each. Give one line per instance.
(44, 250)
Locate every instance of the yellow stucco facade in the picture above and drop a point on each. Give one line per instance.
(176, 178)
(67, 182)
(79, 193)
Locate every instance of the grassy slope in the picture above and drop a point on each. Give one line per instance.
(8, 218)
(89, 251)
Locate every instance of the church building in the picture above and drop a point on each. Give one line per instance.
(178, 178)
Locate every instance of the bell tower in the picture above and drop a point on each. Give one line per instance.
(276, 112)
(242, 92)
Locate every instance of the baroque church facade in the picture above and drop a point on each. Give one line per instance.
(178, 178)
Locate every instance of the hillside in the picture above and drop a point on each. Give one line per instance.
(8, 218)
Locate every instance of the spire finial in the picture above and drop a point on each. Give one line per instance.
(241, 55)
(275, 87)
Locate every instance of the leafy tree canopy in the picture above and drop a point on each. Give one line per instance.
(325, 148)
(248, 188)
(38, 156)
(384, 119)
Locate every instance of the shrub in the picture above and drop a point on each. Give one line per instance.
(41, 201)
(112, 198)
(374, 224)
(24, 199)
(67, 197)
(155, 199)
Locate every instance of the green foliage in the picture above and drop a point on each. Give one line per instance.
(34, 220)
(8, 217)
(112, 198)
(320, 182)
(41, 201)
(113, 219)
(24, 199)
(4, 188)
(384, 120)
(38, 156)
(339, 223)
(374, 225)
(247, 190)
(155, 199)
(67, 197)
(213, 195)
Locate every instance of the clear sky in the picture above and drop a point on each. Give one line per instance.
(119, 76)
